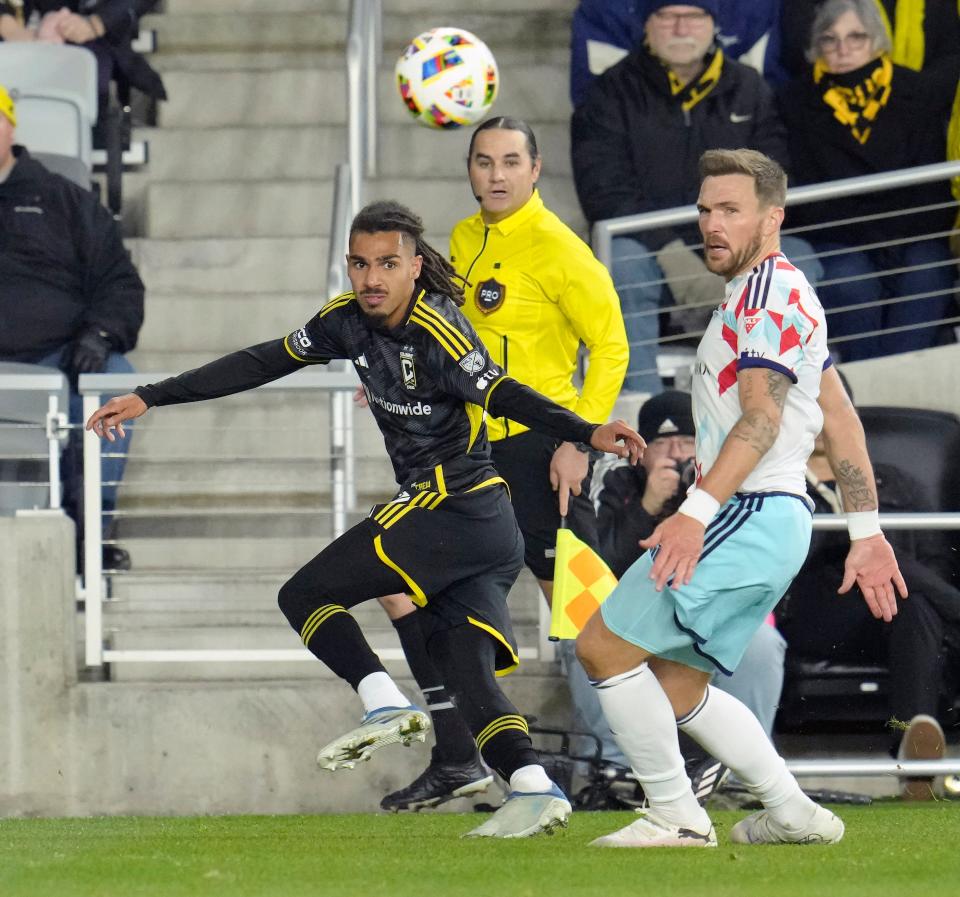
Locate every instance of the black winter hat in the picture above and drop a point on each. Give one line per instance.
(668, 414)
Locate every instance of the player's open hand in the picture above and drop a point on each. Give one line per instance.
(872, 565)
(114, 413)
(620, 439)
(681, 540)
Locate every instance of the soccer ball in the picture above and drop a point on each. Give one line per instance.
(447, 78)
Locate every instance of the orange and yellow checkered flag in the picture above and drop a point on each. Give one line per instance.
(581, 583)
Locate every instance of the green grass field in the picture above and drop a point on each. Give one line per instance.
(889, 849)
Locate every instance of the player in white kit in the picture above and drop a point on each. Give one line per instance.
(763, 388)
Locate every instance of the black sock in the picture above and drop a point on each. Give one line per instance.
(467, 655)
(454, 743)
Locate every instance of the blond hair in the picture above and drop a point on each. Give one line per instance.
(769, 178)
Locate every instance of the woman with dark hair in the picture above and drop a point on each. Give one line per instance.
(856, 112)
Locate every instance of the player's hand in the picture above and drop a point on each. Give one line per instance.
(568, 467)
(681, 540)
(663, 481)
(620, 439)
(117, 410)
(360, 398)
(872, 565)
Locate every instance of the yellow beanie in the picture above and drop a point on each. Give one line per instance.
(6, 106)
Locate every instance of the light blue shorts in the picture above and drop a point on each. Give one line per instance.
(752, 550)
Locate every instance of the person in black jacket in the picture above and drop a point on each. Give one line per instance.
(856, 112)
(70, 297)
(105, 27)
(636, 141)
(922, 646)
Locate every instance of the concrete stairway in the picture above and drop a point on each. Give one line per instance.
(229, 226)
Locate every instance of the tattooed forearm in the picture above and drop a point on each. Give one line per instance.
(856, 492)
(757, 430)
(777, 386)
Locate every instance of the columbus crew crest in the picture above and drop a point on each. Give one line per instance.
(490, 295)
(408, 370)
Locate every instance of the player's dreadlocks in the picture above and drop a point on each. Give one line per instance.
(436, 273)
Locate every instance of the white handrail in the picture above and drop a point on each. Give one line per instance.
(604, 231)
(93, 387)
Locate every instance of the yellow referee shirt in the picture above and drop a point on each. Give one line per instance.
(535, 292)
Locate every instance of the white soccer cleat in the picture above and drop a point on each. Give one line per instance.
(649, 831)
(524, 815)
(380, 727)
(760, 828)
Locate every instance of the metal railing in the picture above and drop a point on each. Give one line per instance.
(54, 426)
(94, 388)
(671, 351)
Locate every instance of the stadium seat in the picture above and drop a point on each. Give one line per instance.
(24, 444)
(55, 89)
(926, 444)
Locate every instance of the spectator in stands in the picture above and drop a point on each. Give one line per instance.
(924, 34)
(921, 647)
(70, 298)
(856, 112)
(636, 141)
(105, 27)
(633, 500)
(604, 31)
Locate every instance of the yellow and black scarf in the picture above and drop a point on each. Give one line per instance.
(857, 106)
(693, 92)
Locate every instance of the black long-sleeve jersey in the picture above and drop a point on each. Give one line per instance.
(428, 382)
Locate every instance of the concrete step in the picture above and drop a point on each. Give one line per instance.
(508, 57)
(451, 10)
(229, 320)
(261, 98)
(303, 152)
(302, 208)
(260, 30)
(230, 266)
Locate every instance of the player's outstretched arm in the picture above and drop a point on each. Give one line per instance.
(620, 439)
(871, 563)
(114, 413)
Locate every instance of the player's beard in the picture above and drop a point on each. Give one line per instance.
(738, 261)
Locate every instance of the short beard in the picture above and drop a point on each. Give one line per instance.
(738, 261)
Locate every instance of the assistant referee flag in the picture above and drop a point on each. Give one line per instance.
(581, 583)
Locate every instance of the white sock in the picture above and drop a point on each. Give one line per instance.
(378, 690)
(725, 728)
(531, 779)
(642, 721)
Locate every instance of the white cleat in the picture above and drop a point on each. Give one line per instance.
(649, 831)
(380, 727)
(760, 828)
(524, 815)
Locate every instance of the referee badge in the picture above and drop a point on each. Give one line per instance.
(490, 295)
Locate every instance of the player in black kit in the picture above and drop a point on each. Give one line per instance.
(448, 538)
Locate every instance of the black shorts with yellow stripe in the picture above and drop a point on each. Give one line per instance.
(458, 555)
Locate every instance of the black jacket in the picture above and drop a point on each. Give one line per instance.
(635, 149)
(905, 133)
(621, 519)
(63, 266)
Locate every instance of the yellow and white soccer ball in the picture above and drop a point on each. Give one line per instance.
(448, 78)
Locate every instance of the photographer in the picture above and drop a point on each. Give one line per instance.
(633, 500)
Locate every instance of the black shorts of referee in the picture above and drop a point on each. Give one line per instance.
(524, 462)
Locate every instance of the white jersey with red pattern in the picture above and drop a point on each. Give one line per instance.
(771, 318)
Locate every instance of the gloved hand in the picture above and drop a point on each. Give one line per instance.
(690, 282)
(88, 353)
